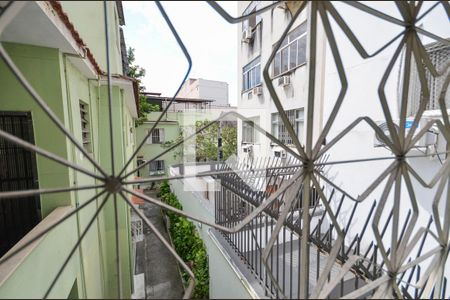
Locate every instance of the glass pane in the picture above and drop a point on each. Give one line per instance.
(301, 29)
(301, 55)
(244, 82)
(293, 55)
(277, 64)
(284, 60)
(285, 41)
(299, 114)
(299, 131)
(258, 75)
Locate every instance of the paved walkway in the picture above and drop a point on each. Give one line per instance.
(159, 268)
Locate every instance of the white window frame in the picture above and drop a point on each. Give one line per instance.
(296, 118)
(286, 46)
(253, 72)
(248, 132)
(156, 167)
(157, 136)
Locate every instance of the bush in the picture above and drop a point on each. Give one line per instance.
(187, 243)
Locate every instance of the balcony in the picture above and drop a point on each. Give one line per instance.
(234, 193)
(44, 256)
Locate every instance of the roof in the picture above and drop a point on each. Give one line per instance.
(177, 99)
(120, 12)
(65, 19)
(75, 34)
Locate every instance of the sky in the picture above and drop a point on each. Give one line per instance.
(209, 39)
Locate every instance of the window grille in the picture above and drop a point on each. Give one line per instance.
(439, 54)
(156, 166)
(85, 126)
(156, 136)
(296, 118)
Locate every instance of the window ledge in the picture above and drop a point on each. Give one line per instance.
(289, 72)
(250, 89)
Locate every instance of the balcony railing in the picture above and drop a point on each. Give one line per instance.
(244, 190)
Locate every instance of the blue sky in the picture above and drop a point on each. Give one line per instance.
(210, 40)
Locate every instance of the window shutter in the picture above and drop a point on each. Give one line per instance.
(149, 138)
(161, 135)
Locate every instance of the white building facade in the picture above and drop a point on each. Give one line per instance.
(200, 88)
(257, 37)
(289, 71)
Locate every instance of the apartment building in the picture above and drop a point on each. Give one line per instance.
(176, 123)
(200, 88)
(59, 50)
(362, 98)
(256, 38)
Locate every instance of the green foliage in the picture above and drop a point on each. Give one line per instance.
(229, 141)
(187, 243)
(178, 151)
(206, 143)
(137, 72)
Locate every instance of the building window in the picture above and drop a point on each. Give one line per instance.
(251, 74)
(85, 126)
(248, 132)
(156, 137)
(156, 167)
(253, 20)
(296, 118)
(439, 54)
(292, 52)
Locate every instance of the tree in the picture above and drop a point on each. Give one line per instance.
(205, 143)
(137, 72)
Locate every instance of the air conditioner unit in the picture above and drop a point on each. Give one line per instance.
(247, 149)
(280, 153)
(284, 80)
(247, 35)
(428, 139)
(257, 90)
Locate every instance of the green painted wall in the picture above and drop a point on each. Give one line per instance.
(148, 151)
(220, 269)
(172, 122)
(62, 86)
(93, 34)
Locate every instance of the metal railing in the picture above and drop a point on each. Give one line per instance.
(239, 196)
(385, 266)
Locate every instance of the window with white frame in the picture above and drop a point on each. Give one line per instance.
(248, 132)
(292, 52)
(296, 118)
(251, 74)
(85, 126)
(156, 137)
(253, 20)
(156, 166)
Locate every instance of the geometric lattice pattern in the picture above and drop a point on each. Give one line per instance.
(395, 255)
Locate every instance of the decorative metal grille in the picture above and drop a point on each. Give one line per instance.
(397, 260)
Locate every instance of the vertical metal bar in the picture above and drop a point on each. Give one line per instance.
(108, 70)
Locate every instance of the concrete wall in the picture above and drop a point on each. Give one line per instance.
(149, 151)
(93, 34)
(294, 96)
(206, 89)
(62, 86)
(225, 281)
